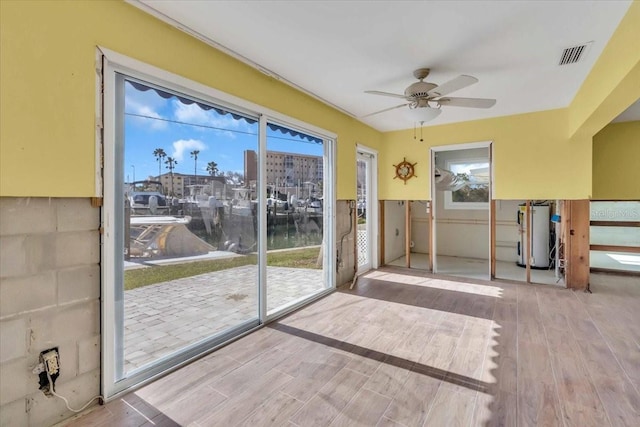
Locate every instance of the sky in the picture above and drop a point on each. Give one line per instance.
(152, 122)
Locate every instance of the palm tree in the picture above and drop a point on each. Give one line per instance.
(171, 163)
(159, 155)
(212, 168)
(194, 154)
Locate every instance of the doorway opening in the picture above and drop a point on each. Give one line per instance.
(461, 195)
(366, 209)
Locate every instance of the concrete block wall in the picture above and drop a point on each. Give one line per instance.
(346, 250)
(49, 297)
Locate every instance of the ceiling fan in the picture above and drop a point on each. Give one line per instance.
(427, 98)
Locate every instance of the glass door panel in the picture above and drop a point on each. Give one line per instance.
(297, 205)
(188, 203)
(363, 207)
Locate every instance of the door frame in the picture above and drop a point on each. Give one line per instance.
(432, 191)
(109, 63)
(372, 205)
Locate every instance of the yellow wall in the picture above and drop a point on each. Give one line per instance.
(616, 162)
(614, 81)
(47, 102)
(532, 158)
(47, 105)
(544, 155)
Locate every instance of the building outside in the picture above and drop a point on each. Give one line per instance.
(287, 170)
(181, 182)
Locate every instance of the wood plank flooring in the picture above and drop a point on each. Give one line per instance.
(406, 348)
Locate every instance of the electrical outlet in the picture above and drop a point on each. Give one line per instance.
(51, 362)
(48, 370)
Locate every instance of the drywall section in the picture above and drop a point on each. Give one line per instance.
(394, 230)
(616, 162)
(507, 232)
(419, 227)
(59, 146)
(49, 297)
(345, 242)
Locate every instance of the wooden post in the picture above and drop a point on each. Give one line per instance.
(407, 232)
(431, 227)
(577, 216)
(527, 250)
(381, 231)
(492, 231)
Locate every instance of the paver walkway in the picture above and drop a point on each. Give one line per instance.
(162, 318)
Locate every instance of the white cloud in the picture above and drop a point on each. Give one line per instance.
(144, 104)
(182, 146)
(143, 110)
(193, 114)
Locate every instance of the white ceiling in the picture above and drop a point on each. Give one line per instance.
(630, 114)
(336, 50)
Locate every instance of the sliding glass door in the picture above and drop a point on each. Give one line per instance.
(187, 276)
(296, 217)
(217, 218)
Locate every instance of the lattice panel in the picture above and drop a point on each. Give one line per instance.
(362, 247)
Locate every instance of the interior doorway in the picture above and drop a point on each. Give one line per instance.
(366, 209)
(461, 194)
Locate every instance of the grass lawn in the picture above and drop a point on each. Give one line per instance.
(301, 258)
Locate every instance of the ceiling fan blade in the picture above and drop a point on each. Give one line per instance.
(377, 92)
(452, 85)
(382, 111)
(468, 102)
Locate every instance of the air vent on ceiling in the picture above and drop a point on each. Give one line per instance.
(571, 55)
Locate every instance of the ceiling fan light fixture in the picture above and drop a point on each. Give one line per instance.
(423, 114)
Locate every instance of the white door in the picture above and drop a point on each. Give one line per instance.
(366, 210)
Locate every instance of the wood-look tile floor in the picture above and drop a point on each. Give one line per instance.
(405, 348)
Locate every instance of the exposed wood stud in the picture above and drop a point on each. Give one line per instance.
(381, 231)
(577, 253)
(431, 227)
(527, 250)
(492, 231)
(407, 231)
(614, 248)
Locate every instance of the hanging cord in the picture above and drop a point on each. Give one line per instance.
(65, 399)
(351, 209)
(415, 131)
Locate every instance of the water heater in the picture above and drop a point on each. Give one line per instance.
(539, 249)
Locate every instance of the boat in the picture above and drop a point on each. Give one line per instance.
(147, 198)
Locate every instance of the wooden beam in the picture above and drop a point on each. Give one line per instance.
(431, 227)
(616, 272)
(407, 232)
(381, 231)
(615, 248)
(492, 231)
(615, 223)
(527, 250)
(577, 256)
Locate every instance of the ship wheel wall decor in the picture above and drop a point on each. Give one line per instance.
(405, 170)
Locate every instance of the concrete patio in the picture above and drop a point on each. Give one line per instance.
(162, 318)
